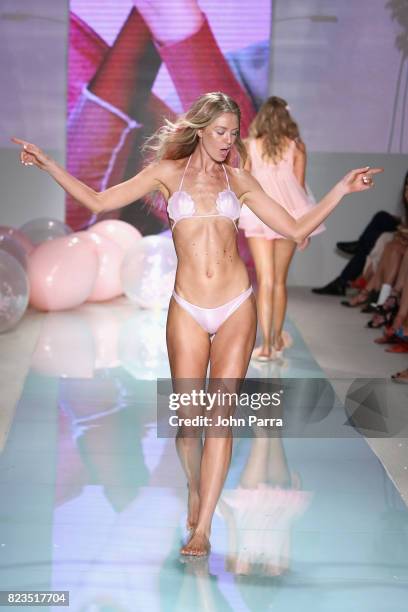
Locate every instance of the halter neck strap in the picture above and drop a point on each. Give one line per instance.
(226, 176)
(184, 173)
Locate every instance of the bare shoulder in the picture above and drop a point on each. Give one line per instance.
(300, 146)
(163, 172)
(164, 167)
(242, 181)
(239, 175)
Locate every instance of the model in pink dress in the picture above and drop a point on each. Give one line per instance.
(279, 181)
(282, 177)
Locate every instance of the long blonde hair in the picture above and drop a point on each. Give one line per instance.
(178, 139)
(274, 125)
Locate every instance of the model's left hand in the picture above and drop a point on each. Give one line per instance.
(303, 245)
(360, 179)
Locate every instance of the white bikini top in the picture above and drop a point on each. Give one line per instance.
(182, 206)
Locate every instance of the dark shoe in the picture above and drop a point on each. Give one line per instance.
(336, 287)
(371, 304)
(385, 314)
(369, 308)
(349, 248)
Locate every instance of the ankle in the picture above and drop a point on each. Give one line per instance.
(278, 342)
(202, 531)
(384, 293)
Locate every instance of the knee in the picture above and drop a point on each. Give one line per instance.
(265, 282)
(391, 247)
(280, 283)
(382, 217)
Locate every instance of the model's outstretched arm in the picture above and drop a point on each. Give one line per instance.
(278, 219)
(144, 182)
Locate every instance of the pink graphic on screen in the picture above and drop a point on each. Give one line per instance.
(133, 63)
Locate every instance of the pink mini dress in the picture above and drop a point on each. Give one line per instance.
(280, 183)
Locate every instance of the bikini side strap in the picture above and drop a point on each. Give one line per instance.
(184, 173)
(226, 176)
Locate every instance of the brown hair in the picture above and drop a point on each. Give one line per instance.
(176, 140)
(275, 126)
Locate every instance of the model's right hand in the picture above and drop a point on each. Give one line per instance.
(31, 155)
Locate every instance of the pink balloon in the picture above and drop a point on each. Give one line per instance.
(62, 273)
(124, 234)
(107, 284)
(18, 235)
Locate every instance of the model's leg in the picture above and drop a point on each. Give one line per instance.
(402, 277)
(381, 272)
(388, 270)
(230, 354)
(284, 251)
(394, 262)
(402, 281)
(188, 347)
(262, 254)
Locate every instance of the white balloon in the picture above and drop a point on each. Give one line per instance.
(44, 228)
(14, 291)
(148, 272)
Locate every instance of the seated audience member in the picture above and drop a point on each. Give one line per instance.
(380, 285)
(360, 249)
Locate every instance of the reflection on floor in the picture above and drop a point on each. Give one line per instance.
(94, 503)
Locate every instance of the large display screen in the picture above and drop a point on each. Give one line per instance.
(133, 63)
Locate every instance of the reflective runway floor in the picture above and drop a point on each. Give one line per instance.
(93, 502)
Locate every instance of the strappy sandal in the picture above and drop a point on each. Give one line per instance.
(385, 314)
(364, 298)
(358, 300)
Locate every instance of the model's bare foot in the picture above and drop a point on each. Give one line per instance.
(286, 339)
(197, 546)
(279, 344)
(193, 508)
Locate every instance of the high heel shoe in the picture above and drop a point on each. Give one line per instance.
(361, 299)
(385, 314)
